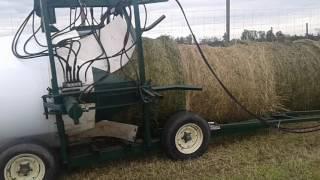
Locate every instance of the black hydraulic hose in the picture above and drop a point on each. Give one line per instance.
(28, 41)
(115, 55)
(123, 50)
(35, 32)
(229, 93)
(120, 53)
(61, 32)
(63, 69)
(94, 32)
(205, 60)
(75, 60)
(68, 59)
(146, 16)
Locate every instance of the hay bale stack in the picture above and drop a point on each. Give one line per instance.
(297, 74)
(163, 67)
(243, 69)
(265, 77)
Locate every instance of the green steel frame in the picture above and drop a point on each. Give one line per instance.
(93, 155)
(45, 8)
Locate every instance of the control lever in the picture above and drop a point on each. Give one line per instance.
(153, 25)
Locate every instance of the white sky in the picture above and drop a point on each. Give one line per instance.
(207, 16)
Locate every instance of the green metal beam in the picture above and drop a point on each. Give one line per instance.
(54, 81)
(177, 87)
(142, 75)
(240, 126)
(139, 47)
(93, 3)
(46, 26)
(111, 153)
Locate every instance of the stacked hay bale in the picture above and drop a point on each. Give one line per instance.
(297, 72)
(265, 77)
(163, 67)
(246, 73)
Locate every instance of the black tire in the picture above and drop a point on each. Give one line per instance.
(177, 121)
(36, 150)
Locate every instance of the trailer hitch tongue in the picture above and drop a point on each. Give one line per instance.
(73, 108)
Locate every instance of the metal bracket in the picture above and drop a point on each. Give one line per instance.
(213, 126)
(51, 108)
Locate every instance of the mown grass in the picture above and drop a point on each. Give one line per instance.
(267, 154)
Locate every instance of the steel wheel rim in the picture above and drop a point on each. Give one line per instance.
(189, 138)
(25, 167)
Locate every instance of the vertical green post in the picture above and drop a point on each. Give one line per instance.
(46, 26)
(139, 42)
(142, 74)
(54, 80)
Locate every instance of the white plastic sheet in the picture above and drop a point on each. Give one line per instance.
(23, 82)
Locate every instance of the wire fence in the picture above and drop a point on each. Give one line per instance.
(211, 22)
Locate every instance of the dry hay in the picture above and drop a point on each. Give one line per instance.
(243, 69)
(297, 67)
(265, 77)
(163, 67)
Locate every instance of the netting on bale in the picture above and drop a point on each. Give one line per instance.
(265, 77)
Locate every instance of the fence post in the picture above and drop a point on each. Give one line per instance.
(228, 21)
(307, 30)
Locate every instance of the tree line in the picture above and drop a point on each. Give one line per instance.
(250, 35)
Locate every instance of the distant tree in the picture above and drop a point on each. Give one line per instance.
(280, 36)
(179, 40)
(261, 35)
(317, 31)
(184, 40)
(225, 37)
(249, 35)
(212, 41)
(270, 35)
(189, 39)
(166, 37)
(209, 40)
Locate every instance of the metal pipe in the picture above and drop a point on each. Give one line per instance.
(54, 80)
(228, 21)
(146, 108)
(139, 42)
(46, 26)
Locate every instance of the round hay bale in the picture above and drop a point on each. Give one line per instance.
(265, 77)
(163, 67)
(246, 73)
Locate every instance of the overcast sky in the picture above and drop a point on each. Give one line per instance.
(206, 16)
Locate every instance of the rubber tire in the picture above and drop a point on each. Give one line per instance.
(30, 148)
(172, 126)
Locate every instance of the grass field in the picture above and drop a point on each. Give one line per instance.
(266, 154)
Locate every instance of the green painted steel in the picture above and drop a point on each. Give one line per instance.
(113, 153)
(73, 108)
(114, 93)
(46, 26)
(276, 120)
(54, 81)
(113, 88)
(142, 75)
(93, 3)
(177, 87)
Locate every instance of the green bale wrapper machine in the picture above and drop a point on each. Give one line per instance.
(185, 135)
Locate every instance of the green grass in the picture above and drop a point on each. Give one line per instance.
(266, 154)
